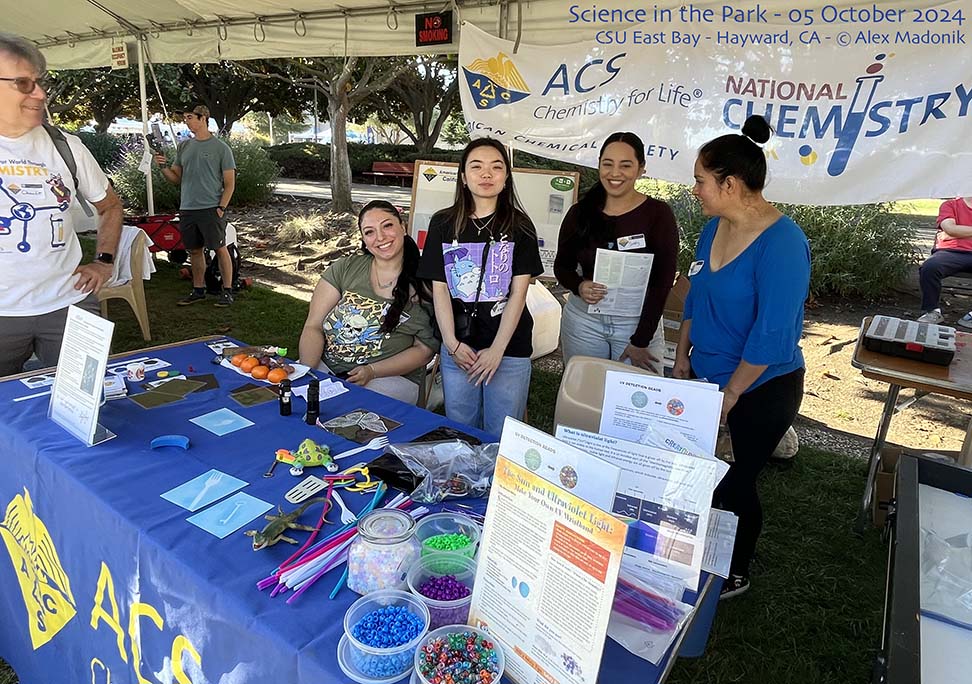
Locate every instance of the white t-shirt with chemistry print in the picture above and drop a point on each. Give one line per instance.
(38, 247)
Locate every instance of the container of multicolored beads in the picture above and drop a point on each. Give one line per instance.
(381, 632)
(383, 551)
(448, 532)
(458, 654)
(444, 582)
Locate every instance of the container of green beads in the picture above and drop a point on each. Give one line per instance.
(448, 532)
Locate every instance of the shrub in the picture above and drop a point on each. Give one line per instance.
(107, 149)
(861, 250)
(311, 161)
(256, 173)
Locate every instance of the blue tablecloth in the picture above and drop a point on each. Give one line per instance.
(104, 575)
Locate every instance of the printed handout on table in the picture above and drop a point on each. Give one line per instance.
(677, 415)
(666, 496)
(78, 389)
(546, 577)
(582, 474)
(719, 542)
(625, 274)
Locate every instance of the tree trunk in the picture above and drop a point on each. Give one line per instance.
(337, 111)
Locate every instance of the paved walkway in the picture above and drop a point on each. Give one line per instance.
(360, 192)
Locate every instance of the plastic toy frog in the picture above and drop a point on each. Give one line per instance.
(307, 455)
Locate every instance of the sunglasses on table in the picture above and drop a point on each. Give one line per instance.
(26, 84)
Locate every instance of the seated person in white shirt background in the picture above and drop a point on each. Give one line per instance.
(951, 254)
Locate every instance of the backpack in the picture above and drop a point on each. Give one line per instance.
(64, 149)
(214, 280)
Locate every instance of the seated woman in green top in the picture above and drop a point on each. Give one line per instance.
(366, 321)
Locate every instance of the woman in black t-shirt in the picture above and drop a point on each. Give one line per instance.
(480, 254)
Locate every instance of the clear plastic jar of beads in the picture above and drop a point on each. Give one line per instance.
(383, 551)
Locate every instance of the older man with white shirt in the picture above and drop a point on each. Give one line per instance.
(41, 273)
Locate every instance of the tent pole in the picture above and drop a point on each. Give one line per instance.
(315, 115)
(149, 190)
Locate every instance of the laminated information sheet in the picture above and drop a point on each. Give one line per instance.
(546, 577)
(666, 498)
(625, 274)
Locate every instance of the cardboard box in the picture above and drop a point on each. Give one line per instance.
(674, 306)
(884, 483)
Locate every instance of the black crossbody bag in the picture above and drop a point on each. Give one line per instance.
(465, 319)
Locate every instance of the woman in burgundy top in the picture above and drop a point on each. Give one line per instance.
(613, 215)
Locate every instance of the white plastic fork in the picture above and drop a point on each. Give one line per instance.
(376, 443)
(347, 517)
(210, 482)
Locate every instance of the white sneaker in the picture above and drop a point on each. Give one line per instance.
(934, 317)
(965, 321)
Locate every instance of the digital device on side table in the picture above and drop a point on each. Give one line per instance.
(911, 340)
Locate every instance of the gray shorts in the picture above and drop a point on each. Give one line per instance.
(202, 228)
(21, 336)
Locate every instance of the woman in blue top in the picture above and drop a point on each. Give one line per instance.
(743, 320)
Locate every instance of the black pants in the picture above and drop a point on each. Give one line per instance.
(941, 264)
(757, 423)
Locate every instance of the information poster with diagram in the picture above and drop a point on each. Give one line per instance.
(546, 196)
(546, 578)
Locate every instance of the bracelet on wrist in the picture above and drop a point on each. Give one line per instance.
(453, 352)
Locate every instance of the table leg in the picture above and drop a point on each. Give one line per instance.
(875, 459)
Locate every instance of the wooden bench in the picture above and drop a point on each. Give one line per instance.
(400, 170)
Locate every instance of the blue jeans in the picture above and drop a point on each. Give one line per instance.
(487, 406)
(600, 336)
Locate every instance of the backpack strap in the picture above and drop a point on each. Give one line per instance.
(64, 149)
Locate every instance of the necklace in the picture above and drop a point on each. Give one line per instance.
(380, 285)
(480, 227)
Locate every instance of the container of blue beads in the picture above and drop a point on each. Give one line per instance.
(444, 582)
(448, 532)
(381, 632)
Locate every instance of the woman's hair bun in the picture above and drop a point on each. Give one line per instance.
(756, 129)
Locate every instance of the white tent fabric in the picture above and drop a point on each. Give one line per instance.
(80, 33)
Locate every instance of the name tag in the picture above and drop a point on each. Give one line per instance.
(631, 242)
(695, 268)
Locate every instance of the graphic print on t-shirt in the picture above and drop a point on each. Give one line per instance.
(352, 328)
(24, 185)
(463, 262)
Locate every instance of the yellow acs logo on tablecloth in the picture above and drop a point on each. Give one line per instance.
(43, 582)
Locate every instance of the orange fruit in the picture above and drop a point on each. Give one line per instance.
(238, 359)
(276, 375)
(249, 363)
(260, 372)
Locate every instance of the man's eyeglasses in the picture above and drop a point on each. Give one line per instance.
(26, 84)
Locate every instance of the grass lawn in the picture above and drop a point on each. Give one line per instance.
(813, 614)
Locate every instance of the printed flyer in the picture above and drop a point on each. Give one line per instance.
(546, 577)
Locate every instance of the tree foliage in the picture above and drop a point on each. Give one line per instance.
(421, 97)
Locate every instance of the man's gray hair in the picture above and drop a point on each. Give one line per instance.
(21, 48)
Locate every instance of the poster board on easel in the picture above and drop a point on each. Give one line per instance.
(545, 194)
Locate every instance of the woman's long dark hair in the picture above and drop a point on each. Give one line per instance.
(406, 279)
(511, 220)
(739, 155)
(590, 208)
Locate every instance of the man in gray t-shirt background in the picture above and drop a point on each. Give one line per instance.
(206, 171)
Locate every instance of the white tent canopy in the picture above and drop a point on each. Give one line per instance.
(80, 33)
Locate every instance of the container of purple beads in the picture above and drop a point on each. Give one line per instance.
(459, 654)
(381, 632)
(444, 582)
